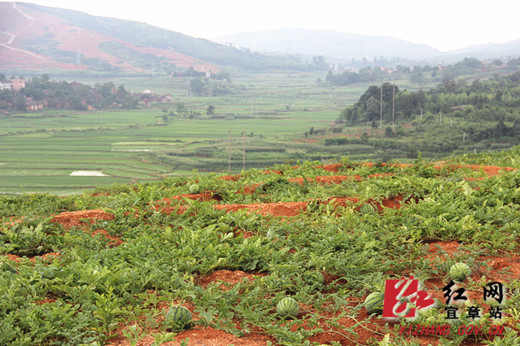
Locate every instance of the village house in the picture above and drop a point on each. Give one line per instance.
(6, 85)
(18, 83)
(166, 98)
(32, 105)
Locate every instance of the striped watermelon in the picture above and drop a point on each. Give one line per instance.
(178, 318)
(367, 209)
(288, 307)
(374, 303)
(194, 188)
(460, 272)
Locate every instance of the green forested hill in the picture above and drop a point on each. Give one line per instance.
(455, 116)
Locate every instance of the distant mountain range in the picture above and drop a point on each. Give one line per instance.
(353, 46)
(329, 43)
(41, 39)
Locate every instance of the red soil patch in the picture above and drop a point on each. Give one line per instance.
(338, 179)
(12, 220)
(114, 241)
(208, 336)
(45, 257)
(243, 234)
(342, 201)
(227, 276)
(164, 205)
(394, 202)
(249, 189)
(50, 256)
(273, 172)
(204, 196)
(81, 218)
(441, 250)
(499, 268)
(198, 335)
(491, 171)
(503, 267)
(295, 208)
(333, 333)
(331, 168)
(328, 179)
(13, 258)
(45, 301)
(230, 177)
(290, 208)
(275, 209)
(449, 247)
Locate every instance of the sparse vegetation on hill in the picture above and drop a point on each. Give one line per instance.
(118, 47)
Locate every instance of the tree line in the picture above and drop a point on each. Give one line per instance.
(420, 74)
(66, 95)
(456, 115)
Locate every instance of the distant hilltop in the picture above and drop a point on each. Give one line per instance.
(348, 46)
(36, 38)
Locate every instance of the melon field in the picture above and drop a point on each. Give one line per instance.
(106, 266)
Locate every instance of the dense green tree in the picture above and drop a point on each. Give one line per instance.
(20, 104)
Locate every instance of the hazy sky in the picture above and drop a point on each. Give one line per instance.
(441, 24)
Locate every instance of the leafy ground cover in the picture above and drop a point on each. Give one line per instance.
(105, 267)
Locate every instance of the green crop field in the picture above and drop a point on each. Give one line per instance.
(265, 114)
(266, 119)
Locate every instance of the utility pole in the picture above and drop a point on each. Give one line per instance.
(244, 150)
(229, 151)
(381, 111)
(393, 105)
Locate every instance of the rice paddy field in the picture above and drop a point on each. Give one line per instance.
(265, 115)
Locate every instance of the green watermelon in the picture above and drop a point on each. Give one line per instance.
(194, 188)
(460, 272)
(367, 209)
(374, 303)
(288, 307)
(178, 318)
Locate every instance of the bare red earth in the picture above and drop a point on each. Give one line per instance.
(81, 218)
(227, 276)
